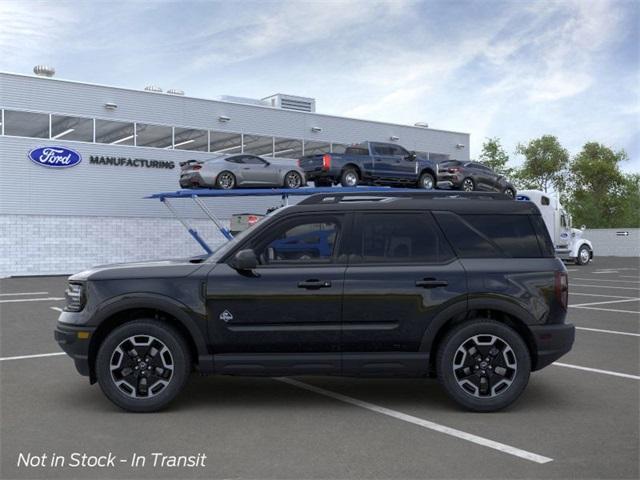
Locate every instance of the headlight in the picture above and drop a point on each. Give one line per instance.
(75, 297)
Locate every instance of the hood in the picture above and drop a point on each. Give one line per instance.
(576, 233)
(150, 269)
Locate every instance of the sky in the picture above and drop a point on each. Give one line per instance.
(514, 70)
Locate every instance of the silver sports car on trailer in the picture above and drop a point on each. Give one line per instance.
(241, 170)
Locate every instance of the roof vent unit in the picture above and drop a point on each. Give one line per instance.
(44, 71)
(291, 102)
(175, 91)
(153, 88)
(244, 100)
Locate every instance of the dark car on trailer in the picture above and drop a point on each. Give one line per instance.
(471, 176)
(465, 287)
(371, 163)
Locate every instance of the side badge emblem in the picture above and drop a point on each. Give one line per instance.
(226, 316)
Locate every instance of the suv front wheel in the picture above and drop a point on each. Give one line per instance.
(483, 365)
(142, 365)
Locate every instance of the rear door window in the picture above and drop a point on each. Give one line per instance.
(407, 238)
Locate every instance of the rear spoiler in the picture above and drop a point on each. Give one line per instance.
(189, 162)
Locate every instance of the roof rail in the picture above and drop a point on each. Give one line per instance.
(339, 197)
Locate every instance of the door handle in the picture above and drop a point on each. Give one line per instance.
(314, 284)
(431, 283)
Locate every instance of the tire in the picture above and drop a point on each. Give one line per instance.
(349, 178)
(584, 255)
(426, 181)
(293, 180)
(509, 192)
(225, 180)
(506, 374)
(468, 185)
(168, 368)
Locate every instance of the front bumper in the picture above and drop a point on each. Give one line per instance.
(552, 342)
(74, 340)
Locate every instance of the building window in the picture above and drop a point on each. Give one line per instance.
(225, 142)
(190, 139)
(438, 157)
(157, 136)
(287, 148)
(71, 128)
(258, 145)
(114, 133)
(26, 124)
(314, 148)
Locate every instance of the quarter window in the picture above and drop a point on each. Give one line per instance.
(513, 234)
(401, 238)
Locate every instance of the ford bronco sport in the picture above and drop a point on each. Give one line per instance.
(463, 287)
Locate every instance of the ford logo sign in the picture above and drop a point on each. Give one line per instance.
(55, 157)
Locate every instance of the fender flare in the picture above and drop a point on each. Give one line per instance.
(153, 301)
(462, 309)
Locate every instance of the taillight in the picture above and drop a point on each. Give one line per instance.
(252, 219)
(326, 161)
(454, 170)
(196, 167)
(562, 288)
(299, 163)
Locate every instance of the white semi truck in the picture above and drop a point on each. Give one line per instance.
(567, 241)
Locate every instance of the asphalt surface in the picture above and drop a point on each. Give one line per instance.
(569, 423)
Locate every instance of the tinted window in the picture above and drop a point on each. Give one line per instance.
(467, 241)
(357, 151)
(382, 150)
(545, 200)
(398, 151)
(400, 238)
(544, 239)
(513, 234)
(300, 242)
(238, 159)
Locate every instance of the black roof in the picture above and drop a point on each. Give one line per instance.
(458, 202)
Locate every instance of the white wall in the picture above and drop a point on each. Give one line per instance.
(607, 242)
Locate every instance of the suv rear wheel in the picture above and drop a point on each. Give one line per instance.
(483, 365)
(142, 365)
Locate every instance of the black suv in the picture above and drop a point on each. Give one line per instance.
(470, 176)
(464, 287)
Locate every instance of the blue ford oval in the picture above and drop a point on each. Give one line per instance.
(55, 157)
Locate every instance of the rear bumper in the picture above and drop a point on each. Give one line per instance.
(191, 180)
(552, 342)
(75, 345)
(449, 180)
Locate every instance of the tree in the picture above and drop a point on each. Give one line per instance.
(601, 196)
(495, 157)
(545, 164)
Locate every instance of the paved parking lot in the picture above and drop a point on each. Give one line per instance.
(578, 418)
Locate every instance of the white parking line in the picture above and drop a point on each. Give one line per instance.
(628, 276)
(597, 295)
(604, 272)
(609, 310)
(24, 357)
(608, 331)
(597, 370)
(605, 302)
(57, 309)
(14, 300)
(605, 286)
(22, 293)
(485, 442)
(606, 280)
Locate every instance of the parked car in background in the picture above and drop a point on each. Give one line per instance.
(567, 241)
(241, 170)
(371, 163)
(470, 176)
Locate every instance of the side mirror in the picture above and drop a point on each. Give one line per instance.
(412, 156)
(244, 260)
